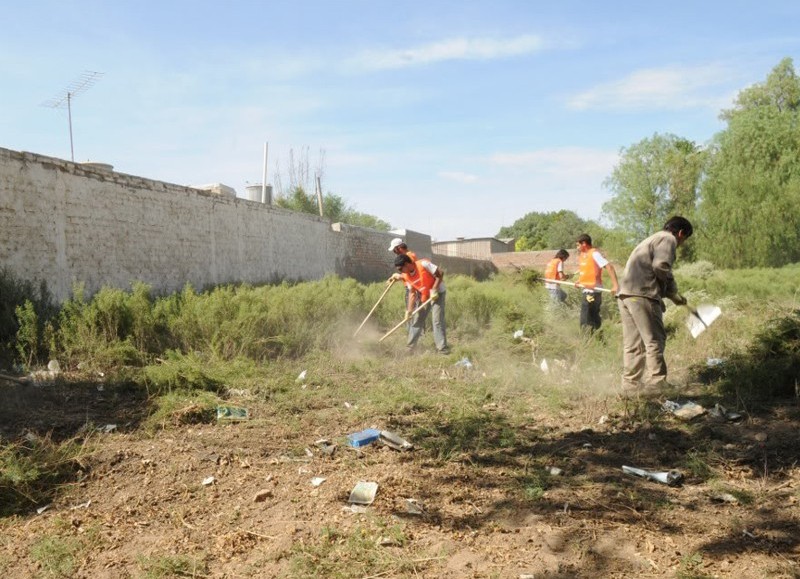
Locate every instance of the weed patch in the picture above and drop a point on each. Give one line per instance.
(31, 470)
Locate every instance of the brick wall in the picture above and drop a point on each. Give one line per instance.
(64, 222)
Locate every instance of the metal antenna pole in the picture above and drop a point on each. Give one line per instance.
(64, 99)
(69, 116)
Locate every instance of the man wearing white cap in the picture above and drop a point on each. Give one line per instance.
(399, 247)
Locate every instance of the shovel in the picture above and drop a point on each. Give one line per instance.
(597, 289)
(388, 287)
(701, 317)
(404, 320)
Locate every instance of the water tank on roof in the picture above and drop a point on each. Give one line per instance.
(254, 193)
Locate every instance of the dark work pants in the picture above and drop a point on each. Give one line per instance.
(590, 311)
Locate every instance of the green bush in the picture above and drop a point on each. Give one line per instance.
(768, 369)
(31, 470)
(37, 306)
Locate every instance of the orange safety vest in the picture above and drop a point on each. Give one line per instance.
(551, 271)
(591, 276)
(422, 281)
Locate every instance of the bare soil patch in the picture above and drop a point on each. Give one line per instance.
(498, 511)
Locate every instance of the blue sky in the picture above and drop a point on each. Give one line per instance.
(449, 118)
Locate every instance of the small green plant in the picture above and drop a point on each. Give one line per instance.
(165, 566)
(690, 567)
(177, 408)
(56, 555)
(340, 554)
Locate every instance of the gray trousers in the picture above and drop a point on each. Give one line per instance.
(643, 341)
(439, 327)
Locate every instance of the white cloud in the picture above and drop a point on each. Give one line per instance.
(566, 161)
(458, 177)
(670, 88)
(450, 49)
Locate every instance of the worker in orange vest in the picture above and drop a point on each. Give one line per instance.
(424, 280)
(555, 270)
(399, 247)
(591, 264)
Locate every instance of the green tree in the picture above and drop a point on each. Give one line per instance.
(750, 199)
(656, 178)
(333, 208)
(537, 231)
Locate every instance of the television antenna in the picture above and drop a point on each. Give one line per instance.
(64, 99)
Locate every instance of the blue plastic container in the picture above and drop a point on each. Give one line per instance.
(364, 437)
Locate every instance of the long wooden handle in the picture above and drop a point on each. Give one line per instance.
(404, 320)
(388, 287)
(597, 289)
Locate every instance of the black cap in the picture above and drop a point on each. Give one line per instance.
(401, 260)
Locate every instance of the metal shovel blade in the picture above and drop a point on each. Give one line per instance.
(699, 319)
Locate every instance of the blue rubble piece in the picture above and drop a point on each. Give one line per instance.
(364, 437)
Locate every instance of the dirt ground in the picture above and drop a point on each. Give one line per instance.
(553, 504)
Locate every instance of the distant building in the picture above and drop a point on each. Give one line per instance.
(477, 248)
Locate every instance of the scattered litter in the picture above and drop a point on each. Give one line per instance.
(603, 419)
(518, 334)
(684, 409)
(527, 576)
(711, 362)
(82, 506)
(109, 428)
(670, 477)
(54, 366)
(301, 377)
(348, 405)
(464, 363)
(413, 507)
(545, 368)
(555, 471)
(747, 533)
(719, 411)
(309, 453)
(761, 437)
(355, 509)
(388, 542)
(262, 495)
(40, 510)
(587, 445)
(232, 413)
(363, 493)
(318, 480)
(100, 388)
(208, 481)
(724, 498)
(325, 447)
(394, 441)
(363, 438)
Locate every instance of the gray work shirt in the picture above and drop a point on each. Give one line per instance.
(648, 272)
